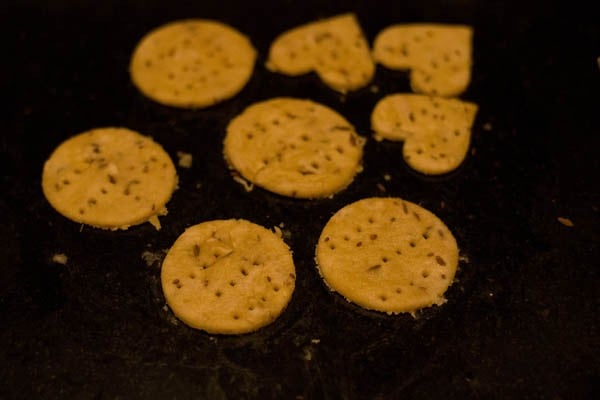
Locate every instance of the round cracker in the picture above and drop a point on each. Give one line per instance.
(109, 178)
(228, 276)
(293, 147)
(192, 63)
(387, 254)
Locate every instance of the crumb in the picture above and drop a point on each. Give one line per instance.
(566, 221)
(381, 187)
(60, 258)
(247, 185)
(286, 234)
(281, 225)
(374, 89)
(387, 177)
(185, 159)
(442, 204)
(153, 258)
(154, 221)
(315, 341)
(172, 320)
(487, 126)
(307, 354)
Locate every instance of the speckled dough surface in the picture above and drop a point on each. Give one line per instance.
(294, 147)
(439, 56)
(436, 131)
(109, 178)
(228, 276)
(335, 48)
(192, 63)
(387, 254)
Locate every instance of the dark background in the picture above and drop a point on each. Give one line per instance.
(521, 320)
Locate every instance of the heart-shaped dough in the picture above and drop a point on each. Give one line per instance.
(436, 131)
(439, 56)
(335, 48)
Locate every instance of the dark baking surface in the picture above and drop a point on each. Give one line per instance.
(520, 322)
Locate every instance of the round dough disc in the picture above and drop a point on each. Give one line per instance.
(192, 63)
(387, 254)
(228, 276)
(295, 148)
(109, 178)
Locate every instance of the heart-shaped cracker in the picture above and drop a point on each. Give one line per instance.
(439, 56)
(228, 276)
(335, 48)
(387, 254)
(436, 131)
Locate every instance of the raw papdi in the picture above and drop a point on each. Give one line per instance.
(109, 178)
(439, 56)
(192, 63)
(228, 276)
(293, 147)
(387, 254)
(335, 48)
(436, 131)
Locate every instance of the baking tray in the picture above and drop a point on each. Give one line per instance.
(521, 319)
